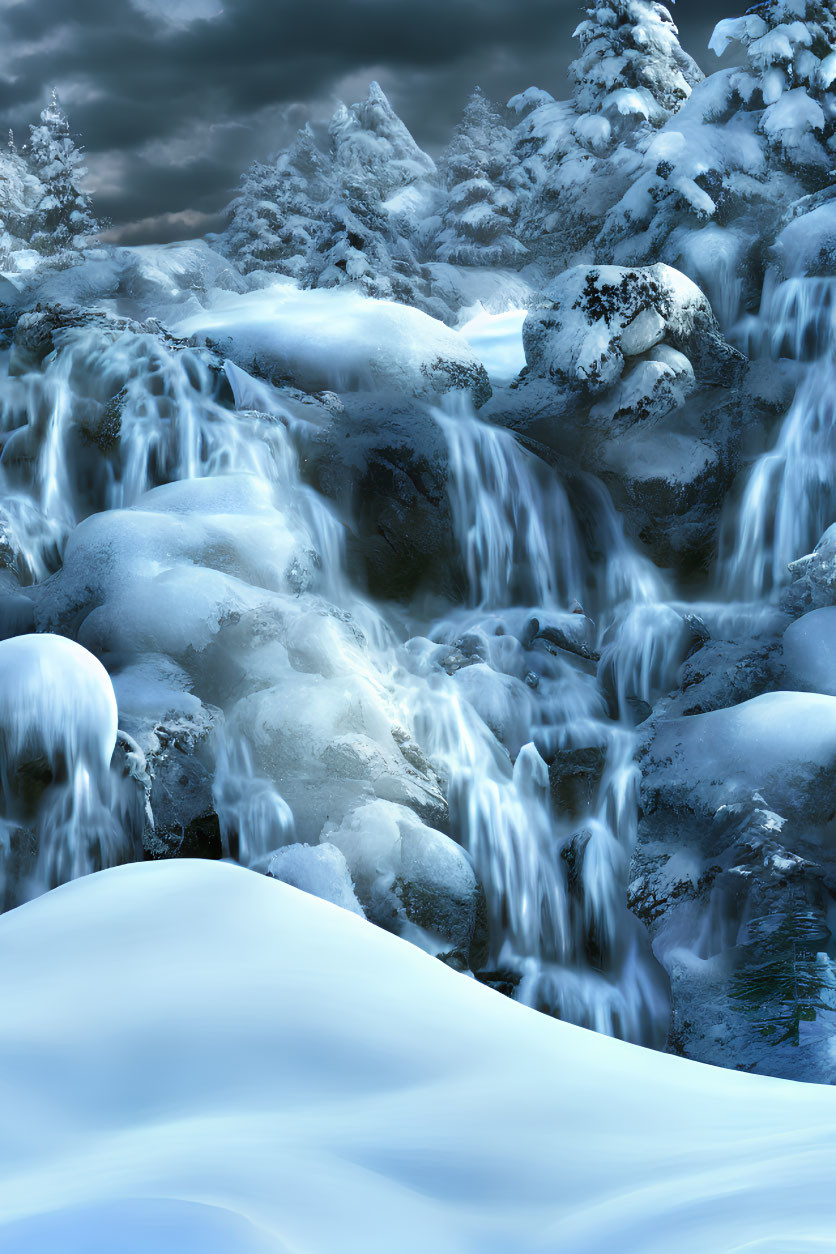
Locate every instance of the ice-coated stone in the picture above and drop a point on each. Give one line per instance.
(412, 880)
(318, 869)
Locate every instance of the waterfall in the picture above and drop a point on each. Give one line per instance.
(171, 533)
(554, 865)
(789, 496)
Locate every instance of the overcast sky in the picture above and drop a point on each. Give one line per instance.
(174, 98)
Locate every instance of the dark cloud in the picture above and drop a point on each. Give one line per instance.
(173, 98)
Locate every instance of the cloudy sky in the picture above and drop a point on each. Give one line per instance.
(173, 98)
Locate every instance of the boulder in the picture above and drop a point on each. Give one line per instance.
(780, 744)
(810, 652)
(592, 322)
(414, 881)
(814, 576)
(317, 869)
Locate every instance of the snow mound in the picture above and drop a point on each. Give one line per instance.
(165, 281)
(780, 744)
(496, 339)
(810, 651)
(340, 1090)
(339, 340)
(56, 699)
(58, 725)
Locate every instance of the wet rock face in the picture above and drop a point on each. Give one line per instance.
(737, 907)
(186, 824)
(574, 778)
(383, 462)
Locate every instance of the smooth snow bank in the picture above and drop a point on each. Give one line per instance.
(496, 339)
(810, 651)
(166, 281)
(195, 1059)
(338, 339)
(781, 744)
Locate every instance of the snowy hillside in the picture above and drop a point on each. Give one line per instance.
(217, 1063)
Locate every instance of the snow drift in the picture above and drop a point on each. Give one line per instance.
(200, 1059)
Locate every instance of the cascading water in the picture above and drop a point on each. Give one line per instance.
(789, 497)
(554, 864)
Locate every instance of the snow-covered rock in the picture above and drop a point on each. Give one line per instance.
(339, 340)
(814, 575)
(164, 281)
(781, 744)
(590, 322)
(810, 652)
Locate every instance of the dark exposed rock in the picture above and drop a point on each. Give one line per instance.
(383, 461)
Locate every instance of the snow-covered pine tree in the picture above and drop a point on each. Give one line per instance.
(345, 208)
(20, 195)
(274, 218)
(789, 80)
(382, 186)
(752, 139)
(630, 77)
(349, 245)
(483, 178)
(64, 216)
(372, 146)
(631, 70)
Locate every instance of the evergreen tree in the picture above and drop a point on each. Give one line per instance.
(483, 179)
(350, 245)
(20, 195)
(749, 142)
(631, 70)
(371, 146)
(275, 216)
(369, 226)
(788, 80)
(630, 78)
(64, 215)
